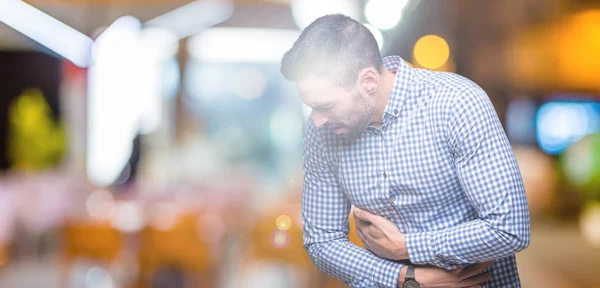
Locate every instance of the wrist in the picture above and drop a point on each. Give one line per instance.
(401, 252)
(402, 276)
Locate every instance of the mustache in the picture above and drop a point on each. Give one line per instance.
(333, 124)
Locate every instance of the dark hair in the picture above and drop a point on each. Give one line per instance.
(336, 47)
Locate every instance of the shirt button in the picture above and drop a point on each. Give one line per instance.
(396, 112)
(384, 175)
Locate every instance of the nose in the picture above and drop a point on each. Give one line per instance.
(319, 119)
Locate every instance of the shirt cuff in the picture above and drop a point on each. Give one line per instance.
(386, 275)
(421, 248)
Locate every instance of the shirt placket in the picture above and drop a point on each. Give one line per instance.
(390, 135)
(385, 167)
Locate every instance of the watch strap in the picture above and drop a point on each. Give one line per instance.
(410, 272)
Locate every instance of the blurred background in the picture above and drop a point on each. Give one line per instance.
(154, 143)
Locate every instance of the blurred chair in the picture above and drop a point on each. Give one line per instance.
(276, 239)
(91, 240)
(178, 251)
(3, 255)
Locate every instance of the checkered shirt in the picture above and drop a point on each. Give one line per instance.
(441, 168)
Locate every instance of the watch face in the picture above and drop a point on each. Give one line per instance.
(410, 284)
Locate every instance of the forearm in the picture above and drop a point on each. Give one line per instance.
(471, 242)
(353, 265)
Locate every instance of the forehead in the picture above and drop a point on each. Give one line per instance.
(316, 91)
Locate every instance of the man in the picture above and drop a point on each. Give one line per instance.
(421, 154)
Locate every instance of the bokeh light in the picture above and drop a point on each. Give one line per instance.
(589, 223)
(280, 239)
(377, 34)
(431, 51)
(98, 277)
(581, 166)
(307, 11)
(100, 205)
(113, 108)
(164, 216)
(577, 43)
(560, 124)
(159, 44)
(384, 14)
(241, 45)
(128, 217)
(250, 84)
(283, 222)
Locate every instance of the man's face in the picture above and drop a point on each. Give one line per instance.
(346, 113)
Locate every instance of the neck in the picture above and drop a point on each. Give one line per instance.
(382, 96)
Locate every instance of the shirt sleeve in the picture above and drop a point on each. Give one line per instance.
(325, 212)
(490, 178)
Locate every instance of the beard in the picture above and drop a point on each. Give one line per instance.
(360, 118)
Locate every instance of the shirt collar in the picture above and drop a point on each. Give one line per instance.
(404, 75)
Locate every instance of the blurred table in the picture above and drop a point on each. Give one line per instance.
(558, 257)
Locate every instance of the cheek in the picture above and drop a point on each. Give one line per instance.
(344, 111)
(334, 114)
(347, 114)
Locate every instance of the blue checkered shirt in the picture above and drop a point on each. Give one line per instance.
(440, 168)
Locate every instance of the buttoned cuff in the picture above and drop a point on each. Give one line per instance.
(421, 248)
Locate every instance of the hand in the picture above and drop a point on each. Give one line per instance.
(468, 276)
(380, 236)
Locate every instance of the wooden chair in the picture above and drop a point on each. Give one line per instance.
(179, 248)
(275, 240)
(3, 255)
(92, 240)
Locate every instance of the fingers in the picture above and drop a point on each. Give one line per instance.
(475, 269)
(360, 222)
(368, 230)
(476, 280)
(364, 215)
(358, 213)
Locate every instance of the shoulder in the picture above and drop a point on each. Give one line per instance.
(453, 92)
(450, 83)
(456, 103)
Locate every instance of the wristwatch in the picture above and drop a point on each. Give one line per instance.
(410, 281)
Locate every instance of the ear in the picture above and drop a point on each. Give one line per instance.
(368, 79)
